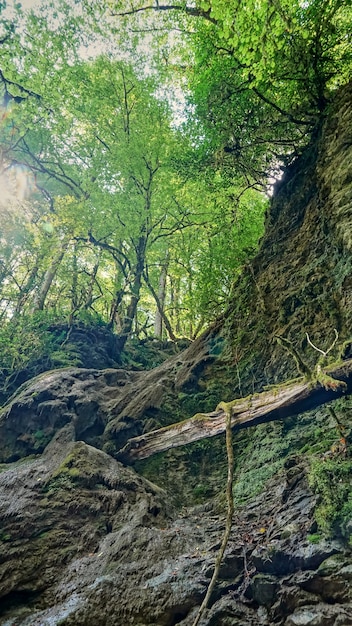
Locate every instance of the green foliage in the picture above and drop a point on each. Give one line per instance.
(314, 538)
(289, 41)
(331, 479)
(227, 243)
(25, 340)
(122, 202)
(264, 73)
(32, 344)
(107, 175)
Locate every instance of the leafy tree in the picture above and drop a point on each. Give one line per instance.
(264, 76)
(129, 217)
(263, 72)
(124, 142)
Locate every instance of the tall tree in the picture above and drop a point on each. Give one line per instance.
(115, 189)
(263, 71)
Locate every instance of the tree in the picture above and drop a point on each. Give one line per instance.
(130, 216)
(124, 140)
(263, 78)
(263, 72)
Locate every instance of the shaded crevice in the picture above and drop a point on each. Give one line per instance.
(17, 599)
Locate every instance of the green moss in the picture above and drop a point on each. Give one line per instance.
(66, 465)
(331, 480)
(58, 482)
(192, 474)
(260, 454)
(68, 473)
(201, 492)
(73, 472)
(41, 437)
(314, 538)
(66, 358)
(5, 536)
(319, 440)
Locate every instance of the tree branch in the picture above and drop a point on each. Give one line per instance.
(289, 116)
(115, 253)
(160, 308)
(277, 403)
(7, 82)
(194, 12)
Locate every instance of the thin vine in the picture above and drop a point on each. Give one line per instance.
(229, 516)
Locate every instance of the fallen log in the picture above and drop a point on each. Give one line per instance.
(275, 403)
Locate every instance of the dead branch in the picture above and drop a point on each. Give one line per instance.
(326, 352)
(276, 403)
(193, 11)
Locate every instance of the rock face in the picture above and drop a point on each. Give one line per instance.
(81, 397)
(85, 540)
(55, 510)
(106, 407)
(300, 281)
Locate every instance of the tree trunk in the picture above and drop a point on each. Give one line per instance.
(89, 296)
(127, 322)
(163, 316)
(114, 313)
(27, 288)
(277, 403)
(160, 302)
(39, 300)
(175, 304)
(114, 317)
(74, 284)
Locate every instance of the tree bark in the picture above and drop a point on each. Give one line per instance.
(27, 288)
(127, 321)
(89, 296)
(276, 403)
(162, 314)
(74, 283)
(160, 300)
(39, 300)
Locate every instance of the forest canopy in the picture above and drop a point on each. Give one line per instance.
(139, 142)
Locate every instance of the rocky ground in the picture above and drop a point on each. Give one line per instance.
(85, 540)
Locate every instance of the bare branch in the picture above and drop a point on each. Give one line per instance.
(326, 352)
(314, 347)
(194, 12)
